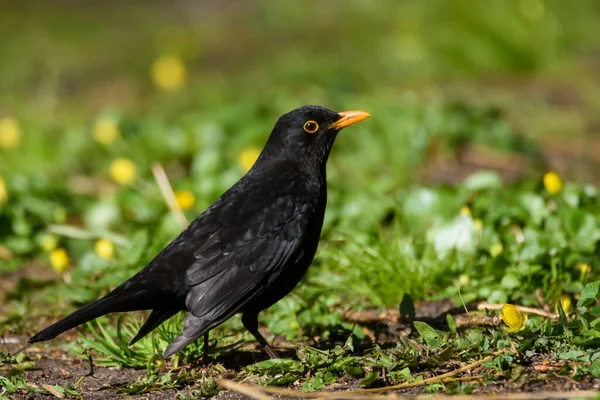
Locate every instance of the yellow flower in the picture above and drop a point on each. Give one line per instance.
(185, 199)
(552, 182)
(465, 211)
(496, 249)
(513, 318)
(248, 158)
(168, 73)
(464, 280)
(585, 268)
(59, 259)
(106, 130)
(565, 302)
(123, 171)
(10, 133)
(104, 249)
(3, 191)
(49, 242)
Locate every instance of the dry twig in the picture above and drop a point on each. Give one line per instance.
(361, 393)
(529, 310)
(167, 192)
(587, 394)
(253, 391)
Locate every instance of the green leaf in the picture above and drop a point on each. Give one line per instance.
(354, 371)
(583, 229)
(572, 355)
(427, 332)
(510, 281)
(535, 206)
(595, 368)
(457, 235)
(7, 384)
(451, 323)
(481, 180)
(371, 378)
(420, 203)
(562, 317)
(594, 324)
(589, 294)
(589, 338)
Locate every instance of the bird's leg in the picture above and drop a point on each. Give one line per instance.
(205, 348)
(250, 322)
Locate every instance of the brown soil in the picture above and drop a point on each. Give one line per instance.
(53, 366)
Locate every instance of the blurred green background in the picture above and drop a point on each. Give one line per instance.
(454, 87)
(425, 69)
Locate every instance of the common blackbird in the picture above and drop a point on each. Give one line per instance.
(244, 253)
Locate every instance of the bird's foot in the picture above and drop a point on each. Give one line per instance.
(272, 353)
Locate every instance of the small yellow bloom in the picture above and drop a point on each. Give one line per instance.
(585, 268)
(552, 182)
(10, 133)
(565, 302)
(464, 280)
(3, 191)
(185, 199)
(465, 211)
(106, 130)
(49, 243)
(123, 171)
(513, 318)
(104, 249)
(248, 158)
(496, 249)
(168, 73)
(59, 259)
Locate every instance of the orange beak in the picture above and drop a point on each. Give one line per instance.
(348, 118)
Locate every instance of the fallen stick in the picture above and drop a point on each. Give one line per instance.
(584, 394)
(300, 394)
(529, 310)
(167, 192)
(359, 393)
(253, 391)
(329, 395)
(434, 379)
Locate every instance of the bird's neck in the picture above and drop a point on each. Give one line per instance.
(293, 174)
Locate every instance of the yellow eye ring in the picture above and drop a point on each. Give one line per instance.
(311, 126)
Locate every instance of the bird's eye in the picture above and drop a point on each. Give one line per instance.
(311, 126)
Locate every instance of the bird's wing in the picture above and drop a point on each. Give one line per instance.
(240, 259)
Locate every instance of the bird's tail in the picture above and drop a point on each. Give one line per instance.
(117, 300)
(193, 328)
(156, 318)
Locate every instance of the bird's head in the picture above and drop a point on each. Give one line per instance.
(306, 134)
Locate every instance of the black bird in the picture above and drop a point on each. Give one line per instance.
(244, 253)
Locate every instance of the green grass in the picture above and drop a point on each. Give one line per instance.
(438, 78)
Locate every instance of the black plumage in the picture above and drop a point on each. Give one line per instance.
(249, 249)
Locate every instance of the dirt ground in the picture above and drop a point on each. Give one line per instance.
(56, 367)
(53, 365)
